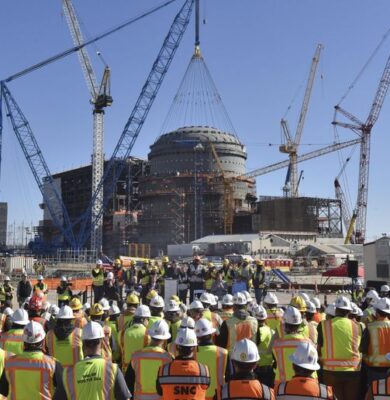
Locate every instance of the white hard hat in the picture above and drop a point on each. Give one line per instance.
(383, 305)
(65, 313)
(331, 310)
(250, 306)
(304, 295)
(196, 305)
(247, 295)
(310, 307)
(227, 300)
(186, 337)
(92, 331)
(385, 289)
(86, 306)
(388, 356)
(114, 310)
(271, 298)
(54, 310)
(105, 304)
(354, 308)
(343, 303)
(305, 356)
(20, 317)
(63, 279)
(172, 306)
(292, 316)
(239, 299)
(110, 275)
(6, 278)
(187, 322)
(260, 312)
(317, 302)
(33, 333)
(358, 282)
(8, 311)
(245, 351)
(203, 327)
(213, 300)
(40, 278)
(142, 311)
(372, 295)
(157, 301)
(99, 262)
(205, 298)
(159, 330)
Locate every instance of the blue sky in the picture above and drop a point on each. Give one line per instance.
(258, 52)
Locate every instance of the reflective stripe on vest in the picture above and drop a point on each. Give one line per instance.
(134, 338)
(344, 355)
(73, 383)
(379, 344)
(240, 329)
(258, 390)
(282, 394)
(12, 341)
(381, 389)
(71, 352)
(106, 346)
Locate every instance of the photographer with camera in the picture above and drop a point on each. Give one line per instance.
(64, 293)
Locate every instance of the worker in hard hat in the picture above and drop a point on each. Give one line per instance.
(240, 326)
(357, 291)
(111, 289)
(183, 282)
(149, 296)
(299, 302)
(274, 313)
(284, 346)
(8, 291)
(319, 314)
(141, 374)
(97, 314)
(371, 298)
(12, 339)
(184, 376)
(375, 342)
(244, 384)
(356, 315)
(64, 293)
(129, 276)
(98, 281)
(228, 274)
(264, 338)
(132, 302)
(136, 336)
(31, 374)
(207, 299)
(246, 272)
(79, 319)
(338, 343)
(173, 317)
(156, 306)
(64, 341)
(304, 384)
(24, 289)
(40, 286)
(195, 310)
(209, 276)
(379, 389)
(259, 281)
(182, 306)
(196, 275)
(113, 315)
(311, 324)
(214, 357)
(94, 377)
(35, 310)
(384, 291)
(227, 307)
(186, 322)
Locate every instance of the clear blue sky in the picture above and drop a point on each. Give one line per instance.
(258, 52)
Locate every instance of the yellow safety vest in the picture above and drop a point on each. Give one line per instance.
(30, 376)
(282, 350)
(68, 351)
(341, 341)
(174, 327)
(239, 329)
(265, 351)
(90, 379)
(274, 320)
(116, 352)
(99, 279)
(153, 319)
(65, 295)
(135, 338)
(214, 318)
(124, 321)
(208, 284)
(215, 358)
(379, 344)
(2, 294)
(146, 363)
(38, 288)
(226, 314)
(12, 341)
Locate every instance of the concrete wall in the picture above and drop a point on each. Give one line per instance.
(374, 254)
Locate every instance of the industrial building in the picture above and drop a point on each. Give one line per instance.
(377, 261)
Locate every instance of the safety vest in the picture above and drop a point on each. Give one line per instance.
(215, 358)
(90, 379)
(98, 280)
(146, 363)
(265, 351)
(40, 287)
(135, 338)
(153, 319)
(116, 353)
(227, 276)
(174, 327)
(124, 321)
(68, 351)
(379, 344)
(246, 389)
(226, 314)
(30, 376)
(12, 341)
(106, 346)
(3, 356)
(340, 349)
(2, 294)
(274, 320)
(214, 318)
(184, 379)
(301, 387)
(239, 329)
(65, 295)
(80, 321)
(381, 389)
(3, 318)
(318, 317)
(282, 350)
(313, 333)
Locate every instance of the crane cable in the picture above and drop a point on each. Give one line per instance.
(88, 42)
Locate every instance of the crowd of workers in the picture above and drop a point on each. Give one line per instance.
(211, 347)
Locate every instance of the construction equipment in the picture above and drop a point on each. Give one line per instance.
(363, 130)
(100, 98)
(291, 145)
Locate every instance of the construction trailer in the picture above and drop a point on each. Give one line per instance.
(377, 261)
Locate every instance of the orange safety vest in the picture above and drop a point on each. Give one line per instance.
(246, 389)
(239, 329)
(80, 321)
(184, 379)
(381, 389)
(340, 349)
(303, 387)
(379, 344)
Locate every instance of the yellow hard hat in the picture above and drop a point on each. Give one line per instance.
(247, 260)
(175, 298)
(211, 265)
(259, 262)
(96, 310)
(152, 293)
(226, 261)
(132, 262)
(118, 261)
(132, 299)
(299, 303)
(154, 268)
(75, 304)
(165, 259)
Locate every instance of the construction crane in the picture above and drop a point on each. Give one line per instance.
(363, 130)
(291, 145)
(100, 98)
